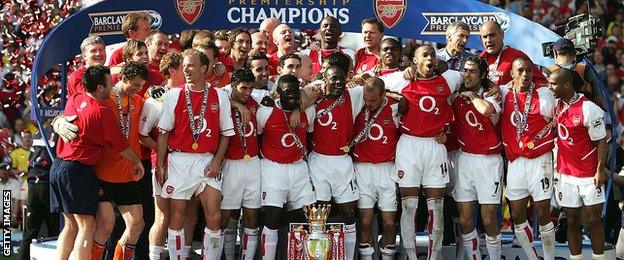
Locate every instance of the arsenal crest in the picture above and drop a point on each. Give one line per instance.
(576, 120)
(189, 10)
(169, 189)
(214, 107)
(400, 174)
(390, 12)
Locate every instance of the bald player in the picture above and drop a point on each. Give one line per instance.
(267, 27)
(527, 110)
(499, 56)
(284, 39)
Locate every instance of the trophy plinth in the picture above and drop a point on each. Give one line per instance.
(317, 239)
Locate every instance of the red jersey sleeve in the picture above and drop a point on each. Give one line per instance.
(116, 57)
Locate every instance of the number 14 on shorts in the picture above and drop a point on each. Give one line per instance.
(444, 170)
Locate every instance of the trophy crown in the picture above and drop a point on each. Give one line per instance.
(317, 214)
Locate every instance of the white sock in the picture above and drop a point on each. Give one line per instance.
(471, 244)
(249, 244)
(619, 246)
(175, 243)
(155, 252)
(229, 243)
(269, 243)
(213, 244)
(576, 257)
(366, 251)
(547, 233)
(459, 245)
(435, 227)
(598, 257)
(524, 233)
(387, 252)
(408, 230)
(494, 246)
(186, 252)
(350, 240)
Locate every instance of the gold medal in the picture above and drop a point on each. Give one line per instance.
(345, 149)
(530, 145)
(247, 157)
(521, 144)
(195, 146)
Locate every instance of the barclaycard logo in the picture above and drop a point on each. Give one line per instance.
(438, 22)
(109, 23)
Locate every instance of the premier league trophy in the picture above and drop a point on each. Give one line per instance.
(316, 240)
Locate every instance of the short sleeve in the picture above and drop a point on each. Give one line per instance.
(454, 79)
(396, 117)
(226, 126)
(395, 82)
(495, 103)
(259, 94)
(149, 116)
(310, 114)
(70, 107)
(547, 102)
(593, 120)
(357, 100)
(167, 116)
(262, 116)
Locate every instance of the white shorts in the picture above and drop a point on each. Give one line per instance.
(286, 184)
(453, 156)
(185, 175)
(479, 178)
(376, 186)
(421, 161)
(530, 177)
(333, 177)
(241, 184)
(571, 195)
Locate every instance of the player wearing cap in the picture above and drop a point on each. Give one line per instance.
(285, 175)
(499, 56)
(527, 109)
(420, 159)
(581, 156)
(73, 183)
(195, 126)
(241, 169)
(377, 132)
(479, 165)
(118, 185)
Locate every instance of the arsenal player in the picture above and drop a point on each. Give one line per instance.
(135, 50)
(420, 159)
(476, 118)
(268, 27)
(94, 54)
(390, 55)
(73, 183)
(499, 56)
(527, 109)
(118, 186)
(157, 43)
(171, 68)
(289, 64)
(330, 32)
(454, 53)
(215, 79)
(241, 170)
(284, 39)
(195, 126)
(377, 132)
(259, 42)
(240, 44)
(135, 26)
(331, 166)
(368, 57)
(285, 176)
(581, 155)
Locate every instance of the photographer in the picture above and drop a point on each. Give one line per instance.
(38, 202)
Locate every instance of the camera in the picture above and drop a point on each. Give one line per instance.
(584, 30)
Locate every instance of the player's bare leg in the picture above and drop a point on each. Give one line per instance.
(133, 218)
(84, 237)
(492, 230)
(593, 214)
(409, 205)
(522, 229)
(67, 236)
(105, 222)
(469, 233)
(250, 234)
(158, 231)
(175, 233)
(347, 211)
(435, 226)
(190, 221)
(365, 230)
(210, 199)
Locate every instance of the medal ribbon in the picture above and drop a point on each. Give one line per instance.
(124, 119)
(330, 107)
(189, 107)
(241, 130)
(521, 123)
(361, 136)
(297, 140)
(550, 124)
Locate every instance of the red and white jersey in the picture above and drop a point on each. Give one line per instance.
(217, 120)
(235, 150)
(365, 61)
(379, 144)
(476, 133)
(540, 113)
(278, 142)
(335, 129)
(499, 69)
(318, 56)
(577, 129)
(429, 101)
